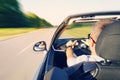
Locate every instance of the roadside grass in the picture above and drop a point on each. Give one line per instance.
(79, 32)
(10, 32)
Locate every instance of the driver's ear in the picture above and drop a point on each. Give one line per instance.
(93, 44)
(92, 47)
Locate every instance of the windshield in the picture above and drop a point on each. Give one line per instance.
(77, 30)
(81, 27)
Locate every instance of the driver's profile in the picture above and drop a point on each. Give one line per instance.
(72, 59)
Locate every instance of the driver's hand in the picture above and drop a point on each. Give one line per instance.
(86, 42)
(71, 43)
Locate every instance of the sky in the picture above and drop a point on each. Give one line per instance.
(55, 11)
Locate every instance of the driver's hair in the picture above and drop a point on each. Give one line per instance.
(99, 26)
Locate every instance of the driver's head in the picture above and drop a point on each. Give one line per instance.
(96, 30)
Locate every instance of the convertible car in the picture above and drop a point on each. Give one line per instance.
(77, 27)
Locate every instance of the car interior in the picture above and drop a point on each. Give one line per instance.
(60, 55)
(107, 46)
(80, 48)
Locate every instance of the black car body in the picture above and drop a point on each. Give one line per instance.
(55, 67)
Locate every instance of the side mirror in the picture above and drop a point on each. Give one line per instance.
(40, 46)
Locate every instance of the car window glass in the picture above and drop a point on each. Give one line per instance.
(77, 30)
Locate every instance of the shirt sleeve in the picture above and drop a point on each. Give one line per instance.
(95, 58)
(83, 58)
(75, 60)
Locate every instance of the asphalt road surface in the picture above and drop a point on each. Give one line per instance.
(18, 61)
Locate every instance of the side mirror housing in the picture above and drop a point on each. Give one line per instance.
(40, 46)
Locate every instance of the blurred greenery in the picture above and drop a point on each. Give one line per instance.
(14, 31)
(79, 32)
(35, 21)
(80, 25)
(6, 33)
(11, 16)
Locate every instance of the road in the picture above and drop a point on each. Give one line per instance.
(18, 61)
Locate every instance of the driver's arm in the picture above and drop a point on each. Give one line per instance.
(69, 52)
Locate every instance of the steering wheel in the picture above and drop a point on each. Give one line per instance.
(79, 46)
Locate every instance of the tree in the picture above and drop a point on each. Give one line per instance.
(45, 23)
(12, 16)
(36, 21)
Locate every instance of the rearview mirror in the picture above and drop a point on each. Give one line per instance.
(40, 46)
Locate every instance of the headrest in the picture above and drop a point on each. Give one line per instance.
(108, 43)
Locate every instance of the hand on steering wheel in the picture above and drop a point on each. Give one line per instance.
(71, 43)
(85, 42)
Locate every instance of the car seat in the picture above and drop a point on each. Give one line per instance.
(108, 47)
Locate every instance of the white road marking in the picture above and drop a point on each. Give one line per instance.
(23, 50)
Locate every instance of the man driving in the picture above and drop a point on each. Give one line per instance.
(72, 59)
